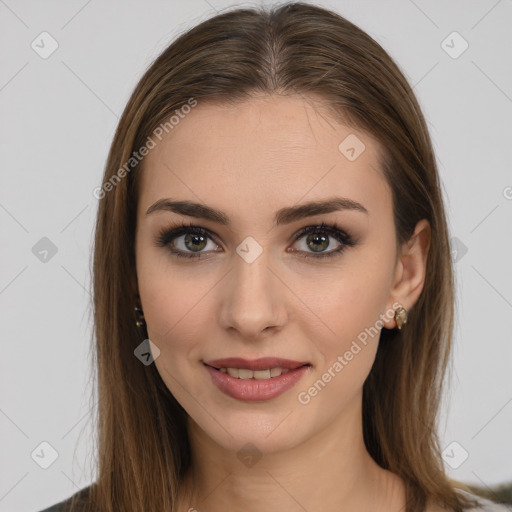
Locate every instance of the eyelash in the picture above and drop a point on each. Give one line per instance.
(167, 234)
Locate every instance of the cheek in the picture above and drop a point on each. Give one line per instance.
(163, 296)
(176, 306)
(351, 343)
(349, 296)
(348, 346)
(172, 309)
(347, 317)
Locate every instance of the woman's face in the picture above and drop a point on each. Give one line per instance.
(252, 287)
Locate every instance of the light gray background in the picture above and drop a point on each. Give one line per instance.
(58, 118)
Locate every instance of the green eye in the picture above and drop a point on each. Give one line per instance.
(196, 237)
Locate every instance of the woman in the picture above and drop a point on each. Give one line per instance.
(272, 279)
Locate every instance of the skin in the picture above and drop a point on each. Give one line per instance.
(249, 161)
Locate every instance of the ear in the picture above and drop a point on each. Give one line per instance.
(410, 271)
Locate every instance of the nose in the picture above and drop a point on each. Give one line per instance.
(253, 299)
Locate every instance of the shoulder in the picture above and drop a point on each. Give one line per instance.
(78, 500)
(485, 505)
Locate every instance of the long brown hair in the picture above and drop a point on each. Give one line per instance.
(295, 48)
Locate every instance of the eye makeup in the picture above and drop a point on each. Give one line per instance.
(321, 232)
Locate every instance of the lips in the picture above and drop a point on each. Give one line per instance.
(257, 379)
(263, 363)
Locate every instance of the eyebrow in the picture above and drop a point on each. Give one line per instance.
(283, 216)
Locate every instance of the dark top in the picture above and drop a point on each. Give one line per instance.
(82, 495)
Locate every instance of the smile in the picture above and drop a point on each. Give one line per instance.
(244, 373)
(256, 380)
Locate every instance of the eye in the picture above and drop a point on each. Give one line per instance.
(193, 238)
(189, 241)
(318, 239)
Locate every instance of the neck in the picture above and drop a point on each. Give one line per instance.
(330, 471)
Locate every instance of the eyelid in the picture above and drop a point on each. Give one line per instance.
(342, 235)
(166, 234)
(332, 228)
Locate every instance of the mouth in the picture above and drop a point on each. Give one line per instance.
(257, 379)
(260, 369)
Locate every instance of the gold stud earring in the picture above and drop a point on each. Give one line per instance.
(140, 322)
(400, 317)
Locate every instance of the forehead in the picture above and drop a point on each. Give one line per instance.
(263, 150)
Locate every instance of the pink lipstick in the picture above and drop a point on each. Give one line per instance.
(256, 379)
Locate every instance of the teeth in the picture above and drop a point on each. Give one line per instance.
(262, 374)
(275, 372)
(244, 373)
(233, 372)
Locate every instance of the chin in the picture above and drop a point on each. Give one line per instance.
(254, 430)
